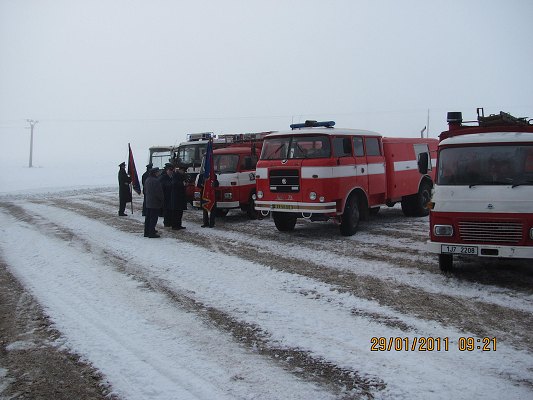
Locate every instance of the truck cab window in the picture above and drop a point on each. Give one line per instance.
(372, 146)
(358, 149)
(342, 147)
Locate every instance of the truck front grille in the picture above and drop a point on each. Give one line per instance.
(491, 232)
(284, 181)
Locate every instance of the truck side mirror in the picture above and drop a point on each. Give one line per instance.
(423, 163)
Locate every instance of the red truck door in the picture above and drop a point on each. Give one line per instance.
(377, 182)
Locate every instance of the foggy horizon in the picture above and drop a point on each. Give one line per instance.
(99, 75)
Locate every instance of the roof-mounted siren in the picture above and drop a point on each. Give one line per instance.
(194, 137)
(455, 119)
(313, 124)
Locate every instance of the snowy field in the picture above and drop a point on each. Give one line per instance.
(242, 311)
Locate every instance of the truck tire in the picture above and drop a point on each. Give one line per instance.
(350, 217)
(421, 199)
(415, 205)
(285, 222)
(446, 262)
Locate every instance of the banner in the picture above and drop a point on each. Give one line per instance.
(132, 172)
(208, 192)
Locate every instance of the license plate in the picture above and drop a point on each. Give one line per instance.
(452, 249)
(283, 206)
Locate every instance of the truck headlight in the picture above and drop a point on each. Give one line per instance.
(531, 233)
(443, 230)
(259, 194)
(228, 196)
(312, 196)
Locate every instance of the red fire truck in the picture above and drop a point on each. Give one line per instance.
(319, 172)
(482, 203)
(235, 168)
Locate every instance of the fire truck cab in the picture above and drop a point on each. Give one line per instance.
(235, 169)
(482, 203)
(319, 172)
(189, 154)
(160, 155)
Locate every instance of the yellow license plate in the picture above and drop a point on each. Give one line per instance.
(283, 206)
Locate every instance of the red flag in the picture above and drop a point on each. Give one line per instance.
(132, 172)
(208, 193)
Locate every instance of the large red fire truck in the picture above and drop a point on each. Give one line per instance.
(482, 203)
(319, 172)
(235, 168)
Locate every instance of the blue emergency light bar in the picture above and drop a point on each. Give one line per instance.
(313, 124)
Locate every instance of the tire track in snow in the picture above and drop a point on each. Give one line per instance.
(468, 314)
(346, 383)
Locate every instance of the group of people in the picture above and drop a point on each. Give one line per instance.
(164, 195)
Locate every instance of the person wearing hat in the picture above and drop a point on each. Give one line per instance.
(143, 179)
(154, 202)
(166, 182)
(124, 190)
(178, 198)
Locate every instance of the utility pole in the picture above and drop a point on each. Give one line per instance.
(32, 124)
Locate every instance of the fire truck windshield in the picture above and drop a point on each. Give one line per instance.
(225, 163)
(190, 154)
(160, 158)
(285, 147)
(486, 165)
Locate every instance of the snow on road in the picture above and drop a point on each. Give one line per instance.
(175, 318)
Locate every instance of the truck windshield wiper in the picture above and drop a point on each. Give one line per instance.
(480, 183)
(275, 151)
(525, 182)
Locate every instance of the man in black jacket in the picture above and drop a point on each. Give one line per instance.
(143, 179)
(178, 198)
(154, 202)
(166, 182)
(124, 190)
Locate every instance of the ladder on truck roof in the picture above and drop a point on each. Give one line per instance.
(500, 119)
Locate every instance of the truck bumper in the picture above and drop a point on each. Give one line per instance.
(482, 250)
(220, 204)
(285, 206)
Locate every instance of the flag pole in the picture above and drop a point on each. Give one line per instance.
(130, 185)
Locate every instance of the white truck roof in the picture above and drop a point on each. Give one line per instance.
(324, 131)
(489, 138)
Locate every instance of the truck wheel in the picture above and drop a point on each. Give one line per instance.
(350, 217)
(446, 262)
(284, 222)
(421, 199)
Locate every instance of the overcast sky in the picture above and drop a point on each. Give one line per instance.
(99, 74)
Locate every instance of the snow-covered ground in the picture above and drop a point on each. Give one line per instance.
(241, 311)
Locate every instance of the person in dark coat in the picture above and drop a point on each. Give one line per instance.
(124, 190)
(154, 202)
(178, 199)
(166, 181)
(143, 178)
